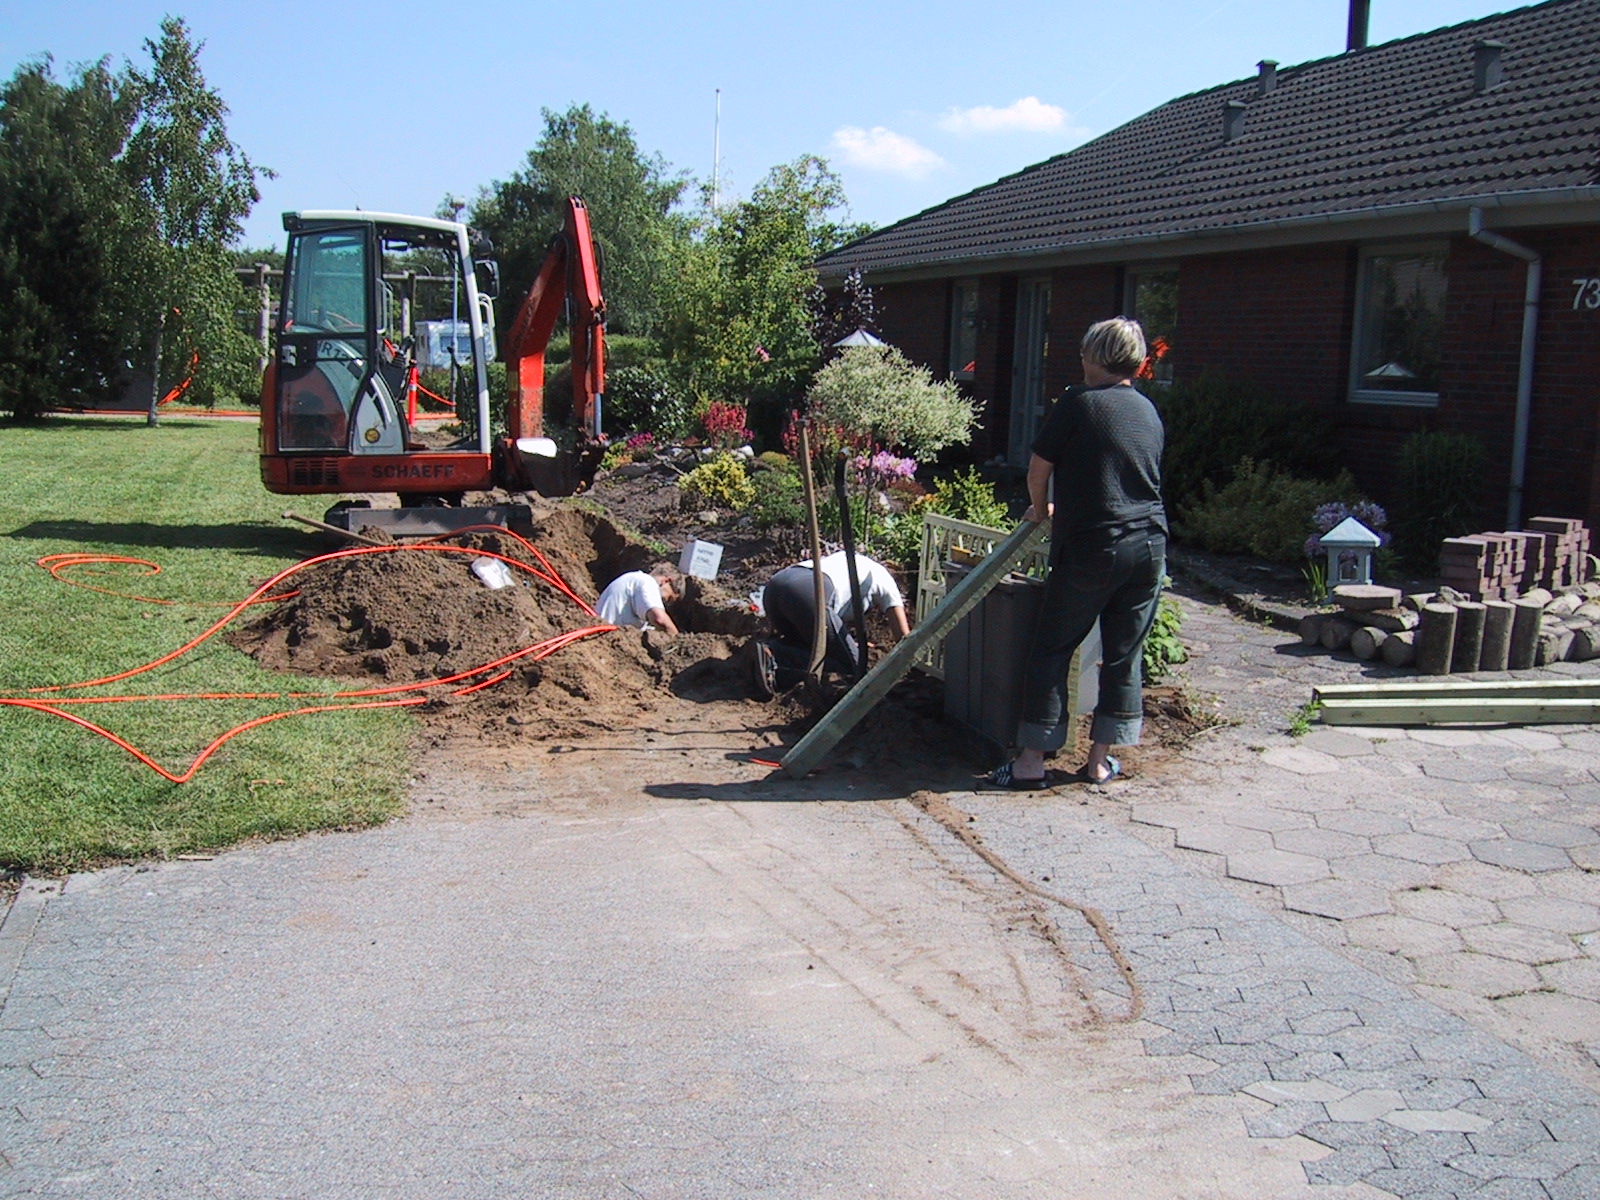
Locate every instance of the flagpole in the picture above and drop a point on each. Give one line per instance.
(716, 149)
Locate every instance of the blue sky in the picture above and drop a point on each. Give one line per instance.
(390, 106)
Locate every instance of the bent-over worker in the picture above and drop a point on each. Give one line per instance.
(639, 599)
(790, 601)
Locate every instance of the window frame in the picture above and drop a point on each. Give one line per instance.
(1130, 307)
(1355, 393)
(957, 287)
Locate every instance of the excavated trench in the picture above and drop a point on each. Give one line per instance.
(414, 615)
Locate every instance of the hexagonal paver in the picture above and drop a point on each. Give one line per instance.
(1555, 1016)
(1419, 847)
(1446, 737)
(1474, 878)
(1221, 839)
(1362, 823)
(1459, 771)
(1460, 829)
(1448, 1120)
(1403, 935)
(1278, 1091)
(1276, 867)
(1324, 843)
(1520, 943)
(1392, 874)
(1477, 974)
(1445, 908)
(1366, 1105)
(1552, 913)
(1269, 820)
(1579, 977)
(1341, 899)
(1337, 743)
(1551, 833)
(1520, 855)
(1301, 760)
(1585, 857)
(1531, 740)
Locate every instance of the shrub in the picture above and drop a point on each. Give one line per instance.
(645, 398)
(1261, 511)
(1163, 648)
(724, 426)
(772, 460)
(778, 498)
(720, 482)
(966, 496)
(1441, 493)
(878, 393)
(1212, 424)
(900, 540)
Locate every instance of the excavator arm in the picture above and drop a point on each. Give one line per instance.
(570, 272)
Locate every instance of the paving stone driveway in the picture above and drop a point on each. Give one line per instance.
(1457, 864)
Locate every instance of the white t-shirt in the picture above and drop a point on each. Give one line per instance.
(878, 588)
(628, 598)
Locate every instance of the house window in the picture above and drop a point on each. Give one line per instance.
(1152, 299)
(1399, 314)
(963, 329)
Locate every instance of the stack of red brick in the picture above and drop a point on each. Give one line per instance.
(1551, 553)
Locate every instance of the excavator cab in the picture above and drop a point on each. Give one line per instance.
(370, 301)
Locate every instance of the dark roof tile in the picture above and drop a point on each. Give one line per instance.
(1391, 124)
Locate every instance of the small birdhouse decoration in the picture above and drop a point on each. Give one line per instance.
(1350, 545)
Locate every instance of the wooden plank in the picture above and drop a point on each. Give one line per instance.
(864, 697)
(1464, 689)
(1530, 710)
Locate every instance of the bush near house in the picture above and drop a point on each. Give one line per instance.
(1262, 511)
(1212, 424)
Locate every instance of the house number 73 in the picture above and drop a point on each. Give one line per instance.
(1587, 294)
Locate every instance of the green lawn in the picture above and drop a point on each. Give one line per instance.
(186, 496)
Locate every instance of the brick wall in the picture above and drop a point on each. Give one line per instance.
(1283, 320)
(1079, 297)
(1483, 339)
(1279, 319)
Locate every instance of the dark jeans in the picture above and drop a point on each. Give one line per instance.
(1119, 586)
(791, 604)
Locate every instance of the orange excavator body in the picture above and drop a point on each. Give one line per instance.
(338, 398)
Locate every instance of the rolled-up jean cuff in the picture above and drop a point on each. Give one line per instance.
(1033, 736)
(1116, 731)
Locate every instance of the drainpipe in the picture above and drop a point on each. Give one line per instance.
(1530, 331)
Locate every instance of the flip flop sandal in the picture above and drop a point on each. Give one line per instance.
(1003, 779)
(1113, 769)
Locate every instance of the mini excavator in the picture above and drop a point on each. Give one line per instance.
(370, 298)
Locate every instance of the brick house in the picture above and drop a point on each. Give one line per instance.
(1353, 233)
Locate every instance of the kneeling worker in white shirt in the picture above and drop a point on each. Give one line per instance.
(790, 603)
(639, 599)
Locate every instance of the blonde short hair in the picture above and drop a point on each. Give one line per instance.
(1117, 345)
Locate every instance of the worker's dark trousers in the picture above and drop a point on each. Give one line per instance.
(1120, 587)
(790, 601)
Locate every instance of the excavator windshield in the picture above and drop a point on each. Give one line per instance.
(324, 347)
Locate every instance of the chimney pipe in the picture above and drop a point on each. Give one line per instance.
(1356, 38)
(1268, 76)
(1233, 119)
(1486, 65)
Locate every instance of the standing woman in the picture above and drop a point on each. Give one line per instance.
(1101, 444)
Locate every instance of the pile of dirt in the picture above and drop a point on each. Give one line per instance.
(416, 614)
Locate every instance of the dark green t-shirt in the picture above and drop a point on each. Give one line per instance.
(1105, 444)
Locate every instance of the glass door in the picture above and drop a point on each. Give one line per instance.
(1029, 357)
